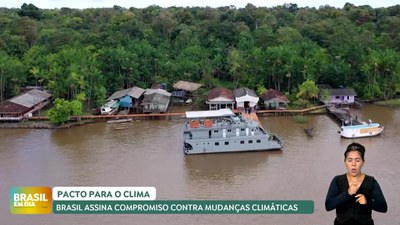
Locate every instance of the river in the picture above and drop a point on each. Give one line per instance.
(149, 153)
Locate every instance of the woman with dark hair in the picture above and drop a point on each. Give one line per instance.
(354, 194)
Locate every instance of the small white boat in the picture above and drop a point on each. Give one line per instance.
(110, 108)
(120, 120)
(363, 130)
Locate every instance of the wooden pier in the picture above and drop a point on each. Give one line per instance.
(342, 116)
(252, 116)
(293, 112)
(109, 117)
(181, 115)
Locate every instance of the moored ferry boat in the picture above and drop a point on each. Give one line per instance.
(364, 130)
(223, 131)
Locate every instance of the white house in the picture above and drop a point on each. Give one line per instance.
(344, 96)
(245, 98)
(220, 98)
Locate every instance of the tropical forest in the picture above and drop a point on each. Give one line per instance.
(85, 55)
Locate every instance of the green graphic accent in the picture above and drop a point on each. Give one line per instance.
(184, 207)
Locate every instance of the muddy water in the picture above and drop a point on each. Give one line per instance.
(149, 153)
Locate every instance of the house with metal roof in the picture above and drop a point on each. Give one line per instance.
(343, 96)
(336, 96)
(186, 86)
(128, 98)
(184, 91)
(134, 92)
(220, 98)
(24, 105)
(273, 99)
(155, 101)
(245, 98)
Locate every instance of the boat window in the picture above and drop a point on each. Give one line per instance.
(241, 142)
(242, 129)
(229, 130)
(258, 141)
(215, 131)
(250, 141)
(216, 143)
(226, 142)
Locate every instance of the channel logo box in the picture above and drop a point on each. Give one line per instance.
(30, 200)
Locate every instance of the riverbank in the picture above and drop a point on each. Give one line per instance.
(42, 122)
(394, 103)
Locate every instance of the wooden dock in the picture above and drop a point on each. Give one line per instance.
(342, 116)
(110, 117)
(181, 115)
(252, 116)
(293, 112)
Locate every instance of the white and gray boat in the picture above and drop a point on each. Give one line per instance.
(223, 131)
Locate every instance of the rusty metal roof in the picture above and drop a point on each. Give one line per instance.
(22, 103)
(8, 107)
(272, 93)
(220, 92)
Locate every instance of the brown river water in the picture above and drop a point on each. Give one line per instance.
(149, 153)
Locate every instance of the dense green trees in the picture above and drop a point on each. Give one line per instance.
(87, 54)
(381, 70)
(11, 76)
(63, 110)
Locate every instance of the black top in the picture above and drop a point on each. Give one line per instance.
(346, 207)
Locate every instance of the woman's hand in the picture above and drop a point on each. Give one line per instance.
(353, 189)
(360, 198)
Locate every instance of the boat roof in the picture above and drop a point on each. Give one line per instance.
(209, 113)
(112, 103)
(362, 126)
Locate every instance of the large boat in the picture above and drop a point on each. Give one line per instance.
(223, 131)
(363, 130)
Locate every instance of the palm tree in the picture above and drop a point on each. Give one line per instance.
(308, 90)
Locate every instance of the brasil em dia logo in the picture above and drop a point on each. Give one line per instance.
(30, 200)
